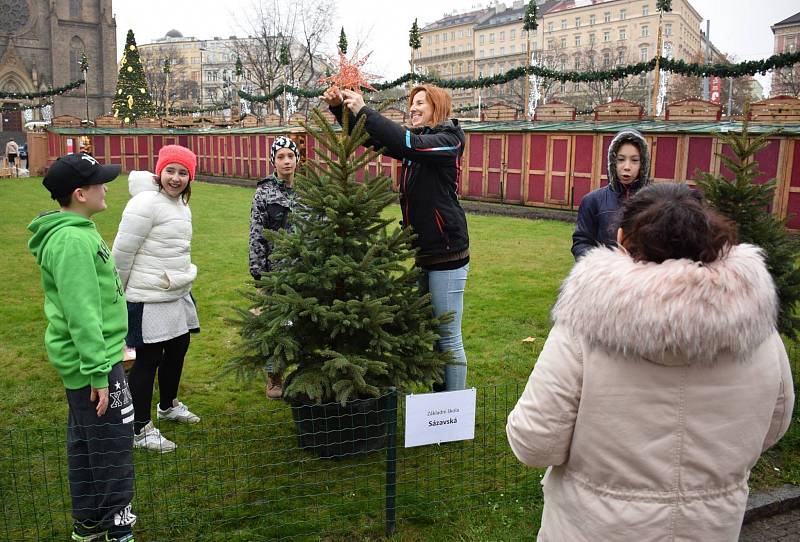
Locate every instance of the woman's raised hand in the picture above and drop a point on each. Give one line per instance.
(353, 100)
(332, 96)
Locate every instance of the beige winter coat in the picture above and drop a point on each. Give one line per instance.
(655, 393)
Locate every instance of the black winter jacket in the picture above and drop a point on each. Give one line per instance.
(431, 166)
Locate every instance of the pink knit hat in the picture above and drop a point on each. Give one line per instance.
(175, 154)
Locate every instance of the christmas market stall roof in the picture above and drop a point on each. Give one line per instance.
(90, 131)
(645, 126)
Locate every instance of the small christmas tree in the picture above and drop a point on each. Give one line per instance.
(132, 99)
(748, 205)
(414, 41)
(342, 45)
(529, 21)
(340, 314)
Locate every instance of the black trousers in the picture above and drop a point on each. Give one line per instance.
(166, 358)
(100, 456)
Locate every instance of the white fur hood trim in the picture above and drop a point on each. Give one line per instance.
(676, 312)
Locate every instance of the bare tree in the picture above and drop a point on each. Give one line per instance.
(299, 28)
(787, 81)
(682, 87)
(633, 88)
(168, 89)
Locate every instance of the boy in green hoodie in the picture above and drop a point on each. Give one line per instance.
(87, 323)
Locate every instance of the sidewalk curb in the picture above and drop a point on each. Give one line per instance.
(769, 503)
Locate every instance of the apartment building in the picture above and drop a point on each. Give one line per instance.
(447, 50)
(787, 40)
(572, 34)
(198, 68)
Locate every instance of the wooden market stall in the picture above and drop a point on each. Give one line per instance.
(545, 163)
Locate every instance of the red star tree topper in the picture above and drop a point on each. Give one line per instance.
(350, 76)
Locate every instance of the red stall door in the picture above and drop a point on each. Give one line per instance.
(475, 156)
(514, 166)
(583, 162)
(558, 180)
(537, 168)
(494, 166)
(792, 202)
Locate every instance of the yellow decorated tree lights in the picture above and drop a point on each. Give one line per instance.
(132, 99)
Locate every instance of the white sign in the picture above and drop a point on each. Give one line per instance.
(432, 418)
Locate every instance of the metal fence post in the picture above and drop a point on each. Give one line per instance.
(391, 460)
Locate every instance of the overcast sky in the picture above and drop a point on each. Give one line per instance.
(738, 27)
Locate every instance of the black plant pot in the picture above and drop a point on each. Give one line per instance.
(334, 431)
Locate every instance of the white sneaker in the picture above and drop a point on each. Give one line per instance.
(178, 412)
(152, 439)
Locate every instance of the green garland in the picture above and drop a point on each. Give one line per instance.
(189, 111)
(21, 107)
(43, 94)
(679, 67)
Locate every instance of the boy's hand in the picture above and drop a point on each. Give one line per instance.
(101, 396)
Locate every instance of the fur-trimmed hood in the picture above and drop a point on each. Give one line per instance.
(674, 313)
(629, 135)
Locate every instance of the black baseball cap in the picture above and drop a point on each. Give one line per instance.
(75, 170)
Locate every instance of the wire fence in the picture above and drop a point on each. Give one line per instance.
(278, 473)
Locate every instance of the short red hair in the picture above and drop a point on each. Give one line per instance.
(438, 98)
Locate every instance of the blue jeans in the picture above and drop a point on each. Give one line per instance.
(447, 294)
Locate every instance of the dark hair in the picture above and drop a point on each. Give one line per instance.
(668, 221)
(65, 200)
(185, 195)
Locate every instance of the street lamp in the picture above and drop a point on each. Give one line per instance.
(202, 50)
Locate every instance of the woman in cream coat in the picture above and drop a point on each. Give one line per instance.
(661, 383)
(152, 251)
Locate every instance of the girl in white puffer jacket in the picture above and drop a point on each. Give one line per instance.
(152, 251)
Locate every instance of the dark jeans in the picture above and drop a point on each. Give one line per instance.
(166, 358)
(100, 457)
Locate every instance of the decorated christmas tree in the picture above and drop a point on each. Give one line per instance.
(748, 204)
(132, 99)
(340, 315)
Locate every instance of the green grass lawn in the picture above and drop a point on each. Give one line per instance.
(239, 474)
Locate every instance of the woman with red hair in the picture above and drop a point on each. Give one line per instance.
(430, 151)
